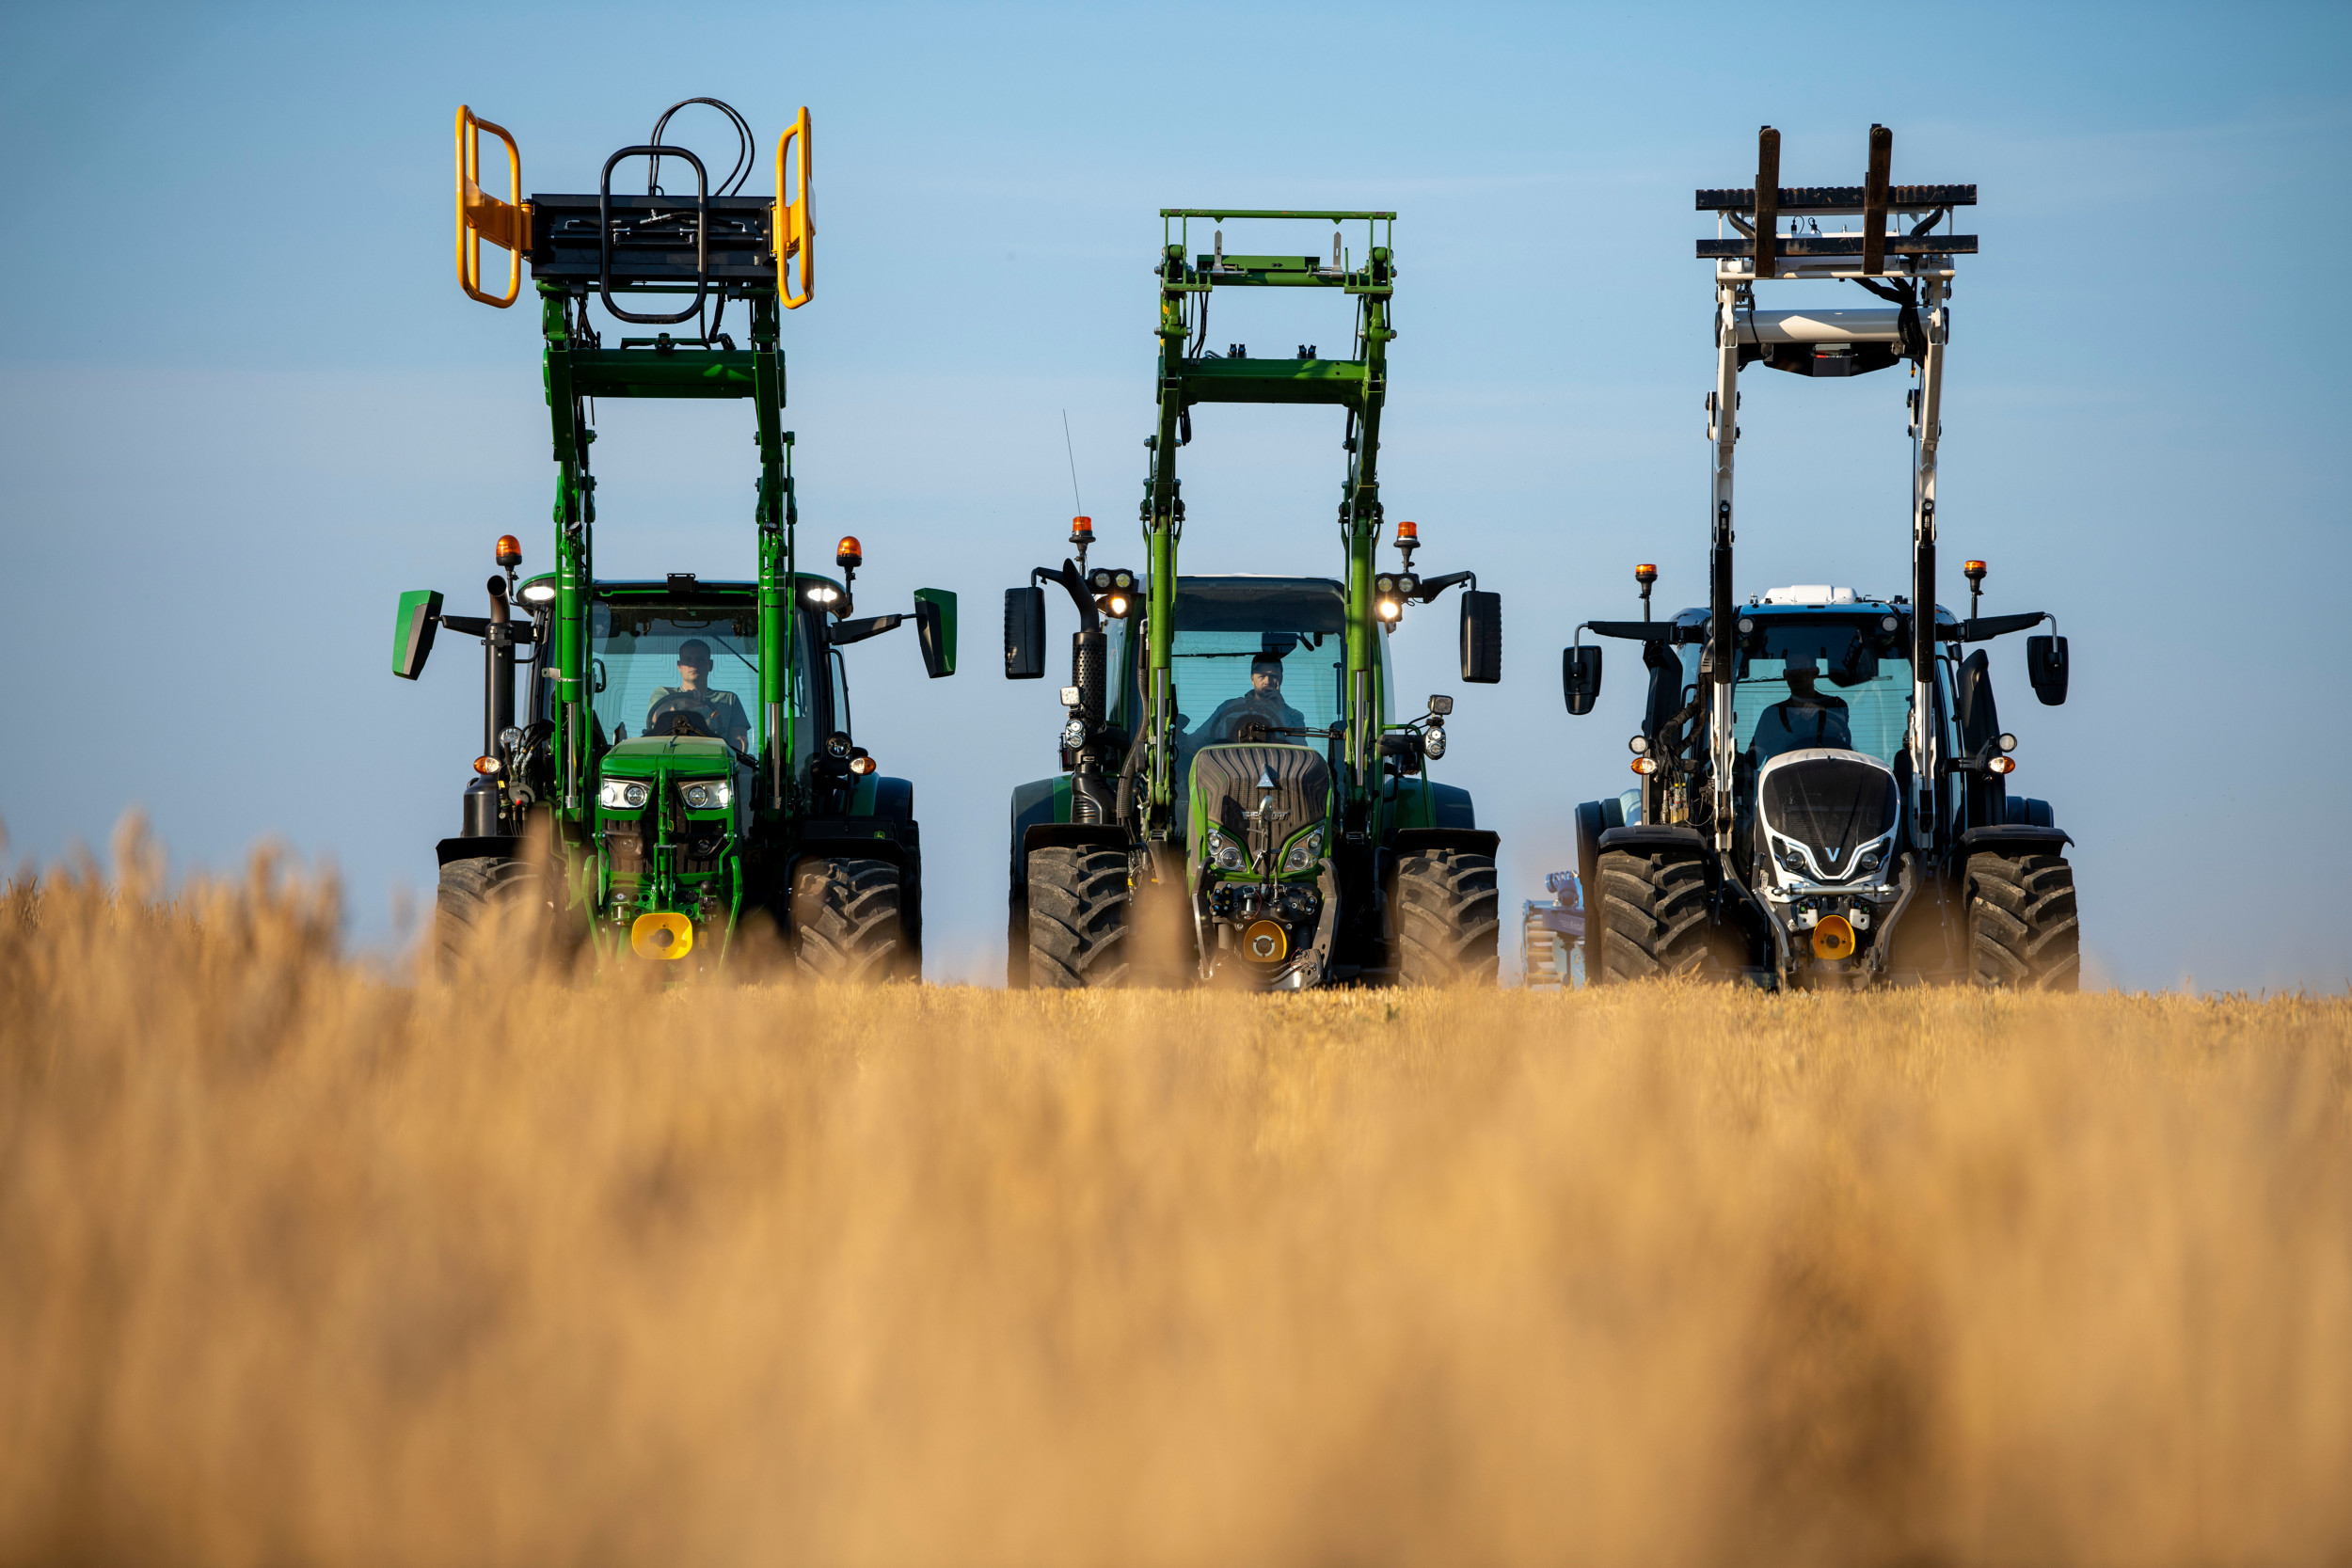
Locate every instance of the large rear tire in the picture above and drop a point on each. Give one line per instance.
(1017, 942)
(1652, 918)
(483, 890)
(2023, 933)
(1448, 919)
(846, 923)
(1080, 915)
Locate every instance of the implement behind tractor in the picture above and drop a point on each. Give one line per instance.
(1823, 796)
(1235, 805)
(682, 757)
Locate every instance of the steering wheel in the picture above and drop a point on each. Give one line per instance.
(674, 717)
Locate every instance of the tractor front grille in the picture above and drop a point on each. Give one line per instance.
(627, 844)
(1231, 781)
(1831, 805)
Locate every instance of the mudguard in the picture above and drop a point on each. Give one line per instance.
(2014, 838)
(1472, 841)
(501, 846)
(1654, 838)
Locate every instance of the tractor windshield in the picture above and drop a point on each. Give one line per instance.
(1814, 683)
(1277, 654)
(666, 665)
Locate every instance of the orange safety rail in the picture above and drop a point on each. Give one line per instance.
(481, 216)
(792, 234)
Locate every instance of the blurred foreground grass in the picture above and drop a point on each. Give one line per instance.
(302, 1264)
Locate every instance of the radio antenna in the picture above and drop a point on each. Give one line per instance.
(1076, 505)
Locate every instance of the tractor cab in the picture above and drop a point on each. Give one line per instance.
(674, 676)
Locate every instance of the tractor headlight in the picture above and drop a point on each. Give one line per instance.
(1305, 852)
(1792, 858)
(624, 793)
(709, 796)
(1074, 734)
(1221, 852)
(1871, 860)
(1432, 742)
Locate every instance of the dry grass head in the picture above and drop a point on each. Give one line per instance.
(299, 1262)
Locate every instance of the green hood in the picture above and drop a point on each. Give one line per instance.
(1225, 786)
(684, 756)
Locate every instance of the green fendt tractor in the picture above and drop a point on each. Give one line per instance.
(1236, 805)
(682, 747)
(1822, 794)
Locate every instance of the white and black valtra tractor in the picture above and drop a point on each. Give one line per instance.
(1822, 796)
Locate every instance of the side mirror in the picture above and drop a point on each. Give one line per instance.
(1579, 678)
(417, 619)
(1482, 637)
(1024, 633)
(935, 630)
(2045, 666)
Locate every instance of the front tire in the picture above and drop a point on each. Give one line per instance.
(2023, 933)
(1652, 917)
(483, 893)
(1081, 914)
(846, 921)
(1448, 920)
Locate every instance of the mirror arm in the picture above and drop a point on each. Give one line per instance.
(842, 633)
(1089, 618)
(1432, 587)
(1984, 628)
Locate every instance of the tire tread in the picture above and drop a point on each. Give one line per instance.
(846, 921)
(1080, 914)
(1448, 919)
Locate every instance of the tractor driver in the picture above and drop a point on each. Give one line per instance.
(1808, 718)
(721, 714)
(1261, 702)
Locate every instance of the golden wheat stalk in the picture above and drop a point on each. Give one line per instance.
(301, 1261)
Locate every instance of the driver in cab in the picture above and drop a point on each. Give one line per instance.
(691, 708)
(1807, 719)
(1263, 704)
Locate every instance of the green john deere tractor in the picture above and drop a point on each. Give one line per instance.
(681, 758)
(1236, 804)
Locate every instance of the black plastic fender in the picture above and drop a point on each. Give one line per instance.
(2011, 839)
(1655, 838)
(1472, 841)
(503, 845)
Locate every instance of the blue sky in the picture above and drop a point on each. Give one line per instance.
(243, 404)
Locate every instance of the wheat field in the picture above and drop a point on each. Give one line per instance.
(304, 1260)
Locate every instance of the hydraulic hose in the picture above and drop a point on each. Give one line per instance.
(1127, 776)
